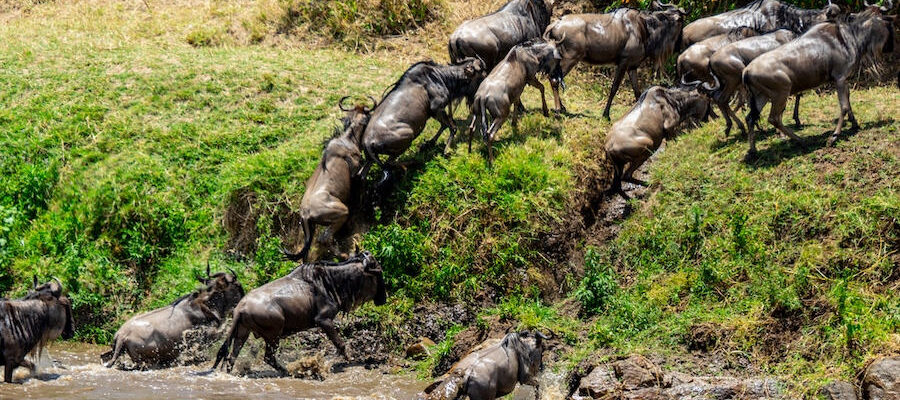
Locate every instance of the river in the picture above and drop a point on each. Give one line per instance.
(71, 370)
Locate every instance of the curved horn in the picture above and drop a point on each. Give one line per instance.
(692, 83)
(711, 89)
(34, 281)
(866, 3)
(890, 4)
(234, 274)
(57, 281)
(341, 104)
(374, 103)
(207, 268)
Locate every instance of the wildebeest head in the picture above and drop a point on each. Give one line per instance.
(688, 103)
(373, 271)
(225, 288)
(664, 25)
(529, 351)
(356, 118)
(873, 31)
(51, 293)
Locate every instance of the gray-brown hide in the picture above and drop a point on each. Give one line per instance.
(728, 63)
(765, 15)
(693, 63)
(624, 37)
(30, 323)
(424, 91)
(310, 296)
(492, 36)
(504, 85)
(657, 115)
(329, 188)
(492, 371)
(156, 338)
(829, 52)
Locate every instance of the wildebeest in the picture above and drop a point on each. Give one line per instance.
(624, 37)
(504, 85)
(424, 91)
(492, 36)
(728, 63)
(827, 52)
(329, 188)
(693, 63)
(29, 323)
(657, 115)
(156, 338)
(311, 295)
(493, 371)
(765, 15)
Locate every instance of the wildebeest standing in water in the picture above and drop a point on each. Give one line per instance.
(693, 63)
(493, 371)
(657, 115)
(504, 85)
(424, 91)
(311, 295)
(827, 52)
(30, 323)
(624, 37)
(727, 65)
(329, 189)
(765, 15)
(156, 338)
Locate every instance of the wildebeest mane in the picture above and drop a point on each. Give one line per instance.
(409, 76)
(542, 17)
(341, 281)
(797, 19)
(740, 32)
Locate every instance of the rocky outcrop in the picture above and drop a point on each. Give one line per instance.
(839, 390)
(637, 378)
(882, 379)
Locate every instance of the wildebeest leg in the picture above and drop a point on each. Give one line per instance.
(489, 137)
(271, 350)
(843, 92)
(724, 108)
(775, 115)
(240, 337)
(565, 66)
(633, 166)
(446, 123)
(327, 324)
(797, 123)
(8, 371)
(537, 84)
(632, 75)
(730, 115)
(756, 102)
(620, 73)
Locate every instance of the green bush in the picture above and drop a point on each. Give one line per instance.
(599, 284)
(400, 251)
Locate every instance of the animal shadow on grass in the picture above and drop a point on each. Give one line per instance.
(786, 149)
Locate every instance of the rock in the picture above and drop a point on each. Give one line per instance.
(723, 388)
(839, 390)
(420, 349)
(637, 372)
(601, 383)
(652, 393)
(308, 367)
(882, 379)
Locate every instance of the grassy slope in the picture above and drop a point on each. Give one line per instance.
(121, 146)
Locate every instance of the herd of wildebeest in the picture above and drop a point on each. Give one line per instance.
(761, 53)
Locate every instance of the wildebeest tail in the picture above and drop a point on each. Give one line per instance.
(482, 114)
(753, 115)
(110, 357)
(453, 50)
(229, 339)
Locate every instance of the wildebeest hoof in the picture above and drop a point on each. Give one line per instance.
(750, 156)
(830, 142)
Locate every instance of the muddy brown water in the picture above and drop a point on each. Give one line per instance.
(72, 371)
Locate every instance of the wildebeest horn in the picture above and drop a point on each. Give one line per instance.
(57, 281)
(374, 103)
(34, 282)
(207, 268)
(341, 104)
(708, 88)
(234, 274)
(689, 84)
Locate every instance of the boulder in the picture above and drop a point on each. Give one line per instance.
(838, 390)
(601, 383)
(882, 379)
(420, 349)
(637, 372)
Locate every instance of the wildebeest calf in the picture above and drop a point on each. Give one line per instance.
(504, 85)
(657, 115)
(829, 52)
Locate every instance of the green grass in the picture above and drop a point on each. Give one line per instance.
(122, 144)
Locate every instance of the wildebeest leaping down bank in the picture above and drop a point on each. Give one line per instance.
(424, 91)
(827, 52)
(624, 37)
(311, 295)
(657, 115)
(504, 85)
(156, 338)
(329, 189)
(30, 323)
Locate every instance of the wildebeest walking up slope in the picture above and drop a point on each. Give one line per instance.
(624, 37)
(311, 295)
(492, 36)
(829, 52)
(30, 323)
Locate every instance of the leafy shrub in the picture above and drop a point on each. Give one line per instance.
(401, 251)
(599, 284)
